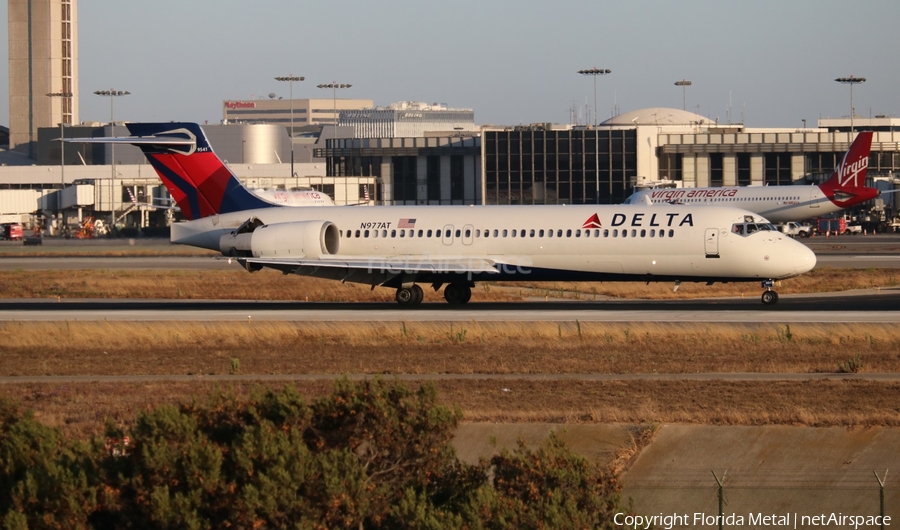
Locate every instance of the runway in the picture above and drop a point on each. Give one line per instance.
(862, 306)
(876, 305)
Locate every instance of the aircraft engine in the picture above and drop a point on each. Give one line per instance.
(304, 239)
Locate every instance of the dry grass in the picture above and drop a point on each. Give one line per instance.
(508, 348)
(237, 284)
(80, 409)
(115, 248)
(189, 348)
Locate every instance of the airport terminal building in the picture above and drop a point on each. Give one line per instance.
(534, 164)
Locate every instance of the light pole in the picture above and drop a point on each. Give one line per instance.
(334, 88)
(683, 84)
(62, 151)
(851, 81)
(112, 93)
(62, 154)
(290, 79)
(594, 72)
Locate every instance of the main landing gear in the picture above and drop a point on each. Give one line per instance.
(457, 293)
(769, 297)
(409, 296)
(454, 293)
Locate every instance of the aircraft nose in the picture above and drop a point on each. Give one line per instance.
(804, 259)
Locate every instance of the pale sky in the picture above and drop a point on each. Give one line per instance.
(772, 62)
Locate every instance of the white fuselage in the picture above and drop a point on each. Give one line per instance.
(545, 242)
(778, 204)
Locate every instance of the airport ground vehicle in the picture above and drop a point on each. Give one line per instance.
(793, 229)
(831, 226)
(12, 232)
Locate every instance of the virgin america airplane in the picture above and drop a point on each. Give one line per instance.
(779, 204)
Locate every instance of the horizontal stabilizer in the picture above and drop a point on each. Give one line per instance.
(133, 140)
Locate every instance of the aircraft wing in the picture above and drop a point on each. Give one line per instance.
(398, 264)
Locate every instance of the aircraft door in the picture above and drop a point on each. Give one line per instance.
(711, 242)
(447, 235)
(468, 234)
(813, 200)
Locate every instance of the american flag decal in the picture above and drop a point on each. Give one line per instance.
(407, 223)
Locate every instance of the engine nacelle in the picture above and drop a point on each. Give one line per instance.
(302, 239)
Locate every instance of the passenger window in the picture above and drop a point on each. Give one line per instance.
(429, 233)
(447, 234)
(468, 232)
(393, 233)
(514, 233)
(477, 232)
(559, 233)
(606, 232)
(569, 233)
(496, 232)
(643, 233)
(457, 232)
(549, 233)
(541, 233)
(531, 234)
(578, 233)
(504, 232)
(367, 233)
(671, 232)
(357, 233)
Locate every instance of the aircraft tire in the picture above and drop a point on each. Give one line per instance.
(407, 297)
(457, 293)
(769, 298)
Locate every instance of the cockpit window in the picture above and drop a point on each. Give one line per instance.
(747, 228)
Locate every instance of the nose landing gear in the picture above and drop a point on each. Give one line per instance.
(769, 297)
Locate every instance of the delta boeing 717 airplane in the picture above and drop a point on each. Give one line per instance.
(453, 247)
(779, 204)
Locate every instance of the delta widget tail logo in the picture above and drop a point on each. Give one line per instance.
(592, 222)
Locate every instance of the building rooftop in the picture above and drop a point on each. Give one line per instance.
(658, 116)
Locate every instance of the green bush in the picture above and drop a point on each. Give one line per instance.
(44, 481)
(371, 455)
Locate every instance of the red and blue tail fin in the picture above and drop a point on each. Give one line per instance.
(196, 178)
(847, 185)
